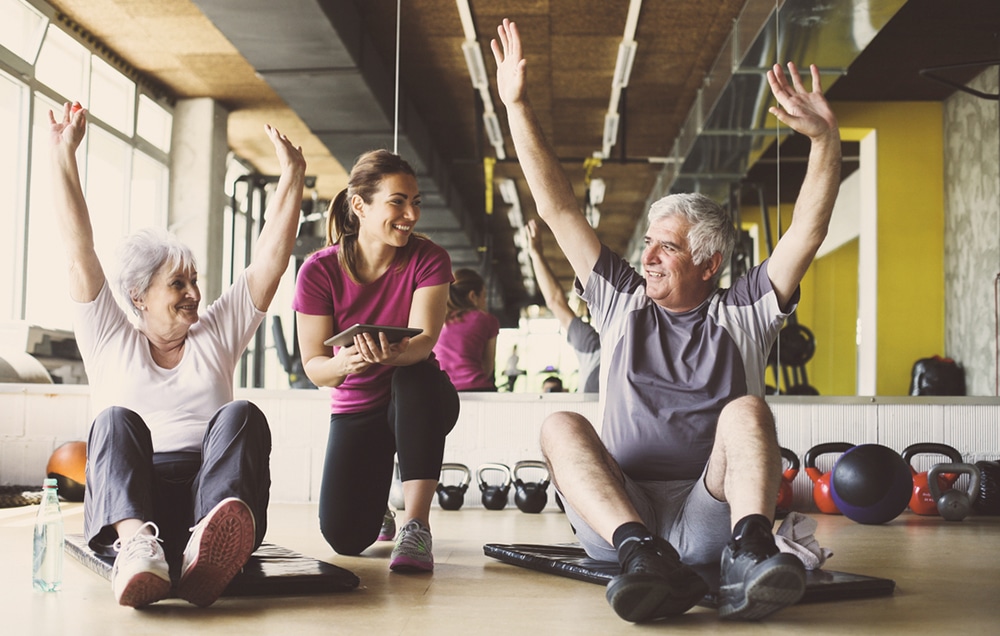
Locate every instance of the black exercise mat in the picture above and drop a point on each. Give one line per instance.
(271, 570)
(570, 560)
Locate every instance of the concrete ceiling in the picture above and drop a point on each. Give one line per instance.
(691, 117)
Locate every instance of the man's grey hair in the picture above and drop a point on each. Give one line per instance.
(712, 229)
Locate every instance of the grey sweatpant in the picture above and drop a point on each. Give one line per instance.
(127, 480)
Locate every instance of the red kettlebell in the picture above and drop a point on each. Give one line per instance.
(821, 481)
(923, 502)
(784, 504)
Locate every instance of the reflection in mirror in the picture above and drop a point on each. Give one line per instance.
(817, 351)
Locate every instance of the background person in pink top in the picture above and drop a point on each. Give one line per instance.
(467, 348)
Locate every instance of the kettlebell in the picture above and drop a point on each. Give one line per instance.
(954, 504)
(821, 481)
(494, 497)
(923, 502)
(785, 495)
(530, 496)
(988, 501)
(452, 497)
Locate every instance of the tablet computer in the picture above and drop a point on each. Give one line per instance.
(346, 337)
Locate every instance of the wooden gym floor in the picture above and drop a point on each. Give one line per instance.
(947, 581)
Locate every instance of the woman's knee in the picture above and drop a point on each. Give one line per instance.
(344, 539)
(243, 413)
(118, 423)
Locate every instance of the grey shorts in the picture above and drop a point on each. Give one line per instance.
(682, 512)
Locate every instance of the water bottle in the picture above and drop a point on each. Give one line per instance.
(46, 571)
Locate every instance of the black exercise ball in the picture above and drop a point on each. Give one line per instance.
(871, 483)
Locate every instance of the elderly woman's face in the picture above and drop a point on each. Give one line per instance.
(172, 299)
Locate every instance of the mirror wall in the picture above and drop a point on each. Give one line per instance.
(909, 268)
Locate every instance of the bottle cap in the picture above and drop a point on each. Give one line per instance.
(50, 483)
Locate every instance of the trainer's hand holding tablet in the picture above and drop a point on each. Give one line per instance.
(346, 337)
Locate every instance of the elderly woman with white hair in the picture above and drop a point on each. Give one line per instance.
(172, 458)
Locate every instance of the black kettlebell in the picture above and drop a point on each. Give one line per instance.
(530, 496)
(451, 497)
(954, 504)
(494, 497)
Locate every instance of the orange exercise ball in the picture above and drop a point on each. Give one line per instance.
(68, 466)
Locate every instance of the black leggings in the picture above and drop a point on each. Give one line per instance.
(423, 408)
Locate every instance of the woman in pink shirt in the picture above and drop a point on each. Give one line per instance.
(386, 398)
(467, 347)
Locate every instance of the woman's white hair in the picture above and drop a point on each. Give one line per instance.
(141, 256)
(712, 230)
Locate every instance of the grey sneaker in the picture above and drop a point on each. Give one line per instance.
(140, 575)
(388, 531)
(219, 547)
(756, 579)
(654, 583)
(412, 552)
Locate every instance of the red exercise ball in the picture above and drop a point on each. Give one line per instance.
(68, 466)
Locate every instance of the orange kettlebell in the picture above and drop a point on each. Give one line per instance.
(785, 497)
(821, 481)
(923, 502)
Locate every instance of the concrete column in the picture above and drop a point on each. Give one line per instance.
(199, 147)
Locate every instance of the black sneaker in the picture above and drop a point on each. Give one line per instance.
(654, 583)
(757, 580)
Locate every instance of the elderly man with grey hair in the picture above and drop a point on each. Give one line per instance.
(687, 465)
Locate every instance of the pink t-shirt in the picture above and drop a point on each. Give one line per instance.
(460, 349)
(323, 288)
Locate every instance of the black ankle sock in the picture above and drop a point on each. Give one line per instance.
(630, 530)
(627, 538)
(756, 531)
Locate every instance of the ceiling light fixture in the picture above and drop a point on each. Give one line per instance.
(610, 132)
(596, 191)
(623, 65)
(474, 60)
(508, 191)
(620, 77)
(480, 79)
(493, 132)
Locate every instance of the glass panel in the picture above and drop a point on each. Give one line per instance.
(64, 65)
(154, 123)
(13, 150)
(21, 29)
(46, 292)
(150, 182)
(107, 186)
(112, 96)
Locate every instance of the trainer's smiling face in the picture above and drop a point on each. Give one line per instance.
(393, 211)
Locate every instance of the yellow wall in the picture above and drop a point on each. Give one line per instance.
(910, 233)
(831, 293)
(910, 297)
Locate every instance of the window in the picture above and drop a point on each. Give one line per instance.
(13, 153)
(150, 185)
(64, 66)
(125, 177)
(112, 96)
(154, 123)
(21, 29)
